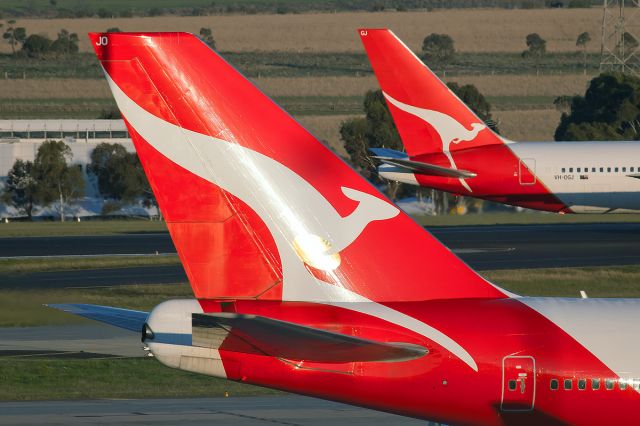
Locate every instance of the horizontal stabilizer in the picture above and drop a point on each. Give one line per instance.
(426, 168)
(388, 153)
(123, 318)
(297, 342)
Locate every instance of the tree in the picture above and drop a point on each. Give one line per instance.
(105, 158)
(376, 130)
(14, 35)
(120, 175)
(471, 96)
(536, 48)
(66, 43)
(207, 36)
(582, 41)
(114, 30)
(352, 133)
(36, 45)
(438, 50)
(609, 110)
(57, 180)
(21, 187)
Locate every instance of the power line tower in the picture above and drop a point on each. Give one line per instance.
(619, 49)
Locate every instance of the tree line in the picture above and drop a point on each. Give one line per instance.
(38, 45)
(52, 180)
(66, 43)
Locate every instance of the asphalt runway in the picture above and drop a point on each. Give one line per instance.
(279, 410)
(482, 247)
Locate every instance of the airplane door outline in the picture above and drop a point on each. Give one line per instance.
(527, 171)
(522, 370)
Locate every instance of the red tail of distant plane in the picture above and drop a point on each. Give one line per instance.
(429, 116)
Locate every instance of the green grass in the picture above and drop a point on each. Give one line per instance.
(24, 308)
(91, 227)
(21, 308)
(54, 379)
(66, 263)
(617, 281)
(113, 227)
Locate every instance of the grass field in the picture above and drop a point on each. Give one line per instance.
(53, 379)
(22, 266)
(23, 308)
(114, 227)
(473, 30)
(93, 227)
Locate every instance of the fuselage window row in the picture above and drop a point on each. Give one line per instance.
(609, 384)
(594, 169)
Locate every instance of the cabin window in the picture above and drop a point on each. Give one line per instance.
(616, 170)
(631, 169)
(601, 169)
(512, 385)
(563, 170)
(595, 384)
(582, 384)
(570, 169)
(554, 384)
(622, 384)
(608, 384)
(568, 384)
(593, 170)
(609, 169)
(578, 170)
(624, 169)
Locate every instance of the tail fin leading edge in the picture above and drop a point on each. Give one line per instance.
(257, 207)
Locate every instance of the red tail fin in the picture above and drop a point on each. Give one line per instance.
(429, 117)
(256, 206)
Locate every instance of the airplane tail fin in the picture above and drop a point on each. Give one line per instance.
(257, 207)
(429, 116)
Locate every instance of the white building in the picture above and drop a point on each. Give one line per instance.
(20, 139)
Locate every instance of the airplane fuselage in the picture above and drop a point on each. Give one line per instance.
(568, 177)
(535, 360)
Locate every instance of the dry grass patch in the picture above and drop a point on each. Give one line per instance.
(479, 30)
(317, 86)
(531, 125)
(527, 84)
(54, 88)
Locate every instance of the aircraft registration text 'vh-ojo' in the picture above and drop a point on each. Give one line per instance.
(307, 279)
(449, 148)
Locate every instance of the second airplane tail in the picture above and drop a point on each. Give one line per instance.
(429, 116)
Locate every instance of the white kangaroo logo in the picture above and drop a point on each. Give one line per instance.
(449, 129)
(298, 211)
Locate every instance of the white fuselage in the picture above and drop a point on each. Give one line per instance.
(589, 177)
